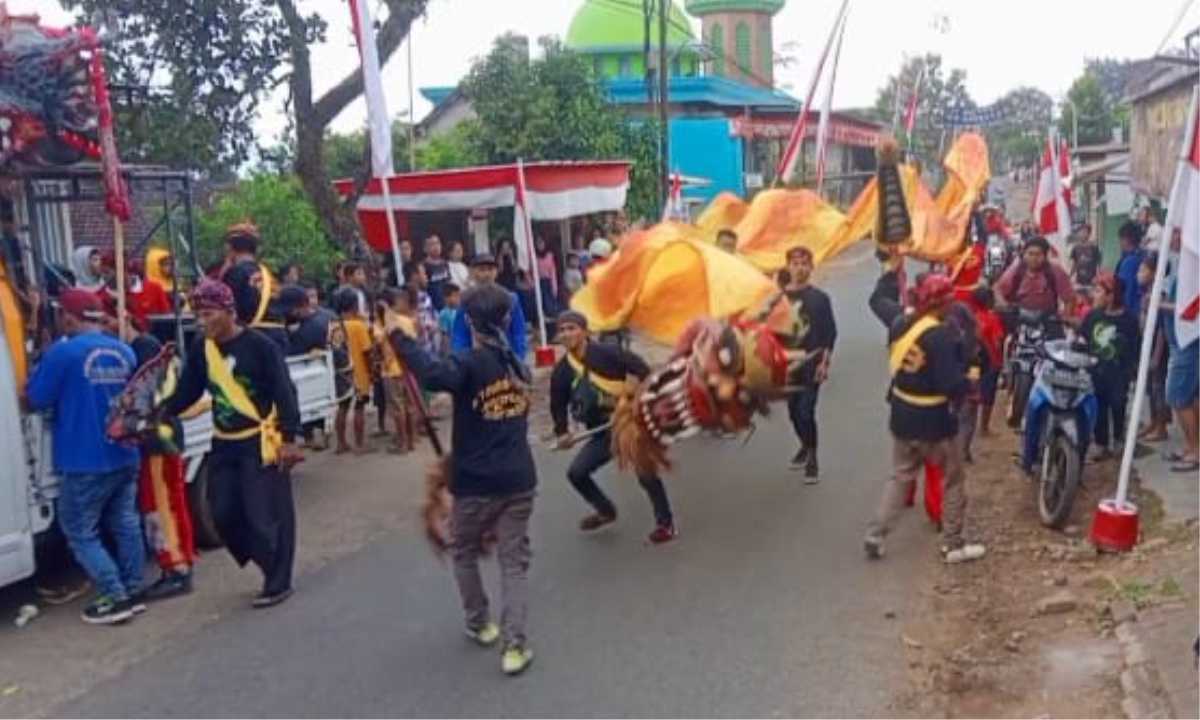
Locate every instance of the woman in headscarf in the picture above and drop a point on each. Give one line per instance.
(86, 263)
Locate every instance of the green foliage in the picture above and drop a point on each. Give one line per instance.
(1019, 141)
(1096, 111)
(346, 154)
(553, 108)
(939, 93)
(449, 150)
(291, 230)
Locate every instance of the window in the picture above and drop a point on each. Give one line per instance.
(625, 70)
(716, 40)
(764, 48)
(598, 66)
(675, 68)
(741, 43)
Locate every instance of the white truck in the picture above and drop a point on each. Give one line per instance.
(28, 486)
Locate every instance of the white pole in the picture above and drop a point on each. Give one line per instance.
(392, 235)
(412, 121)
(1139, 392)
(531, 251)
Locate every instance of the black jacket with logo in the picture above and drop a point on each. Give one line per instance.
(610, 362)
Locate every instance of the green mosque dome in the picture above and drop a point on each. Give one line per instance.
(606, 25)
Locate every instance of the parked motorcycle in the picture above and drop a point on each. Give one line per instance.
(1058, 426)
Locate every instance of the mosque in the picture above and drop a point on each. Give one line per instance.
(728, 122)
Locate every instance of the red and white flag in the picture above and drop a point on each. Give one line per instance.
(1052, 202)
(673, 210)
(1184, 213)
(526, 252)
(910, 116)
(826, 109)
(787, 162)
(379, 127)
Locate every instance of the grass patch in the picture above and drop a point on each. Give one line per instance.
(1169, 587)
(1136, 591)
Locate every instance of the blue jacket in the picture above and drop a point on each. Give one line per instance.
(78, 379)
(1127, 269)
(460, 339)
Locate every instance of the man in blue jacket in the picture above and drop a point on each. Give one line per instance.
(1130, 236)
(78, 378)
(484, 270)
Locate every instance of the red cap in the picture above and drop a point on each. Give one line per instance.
(935, 290)
(80, 303)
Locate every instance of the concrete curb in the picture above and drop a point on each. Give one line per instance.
(1143, 694)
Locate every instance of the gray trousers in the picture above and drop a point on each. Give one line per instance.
(908, 460)
(508, 517)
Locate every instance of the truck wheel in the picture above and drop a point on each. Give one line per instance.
(203, 527)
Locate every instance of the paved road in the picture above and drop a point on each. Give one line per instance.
(763, 607)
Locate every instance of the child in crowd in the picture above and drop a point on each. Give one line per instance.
(1111, 332)
(427, 319)
(572, 276)
(401, 301)
(358, 347)
(451, 294)
(989, 327)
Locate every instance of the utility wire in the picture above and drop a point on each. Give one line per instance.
(1183, 11)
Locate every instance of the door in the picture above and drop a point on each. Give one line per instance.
(16, 532)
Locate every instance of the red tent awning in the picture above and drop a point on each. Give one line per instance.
(555, 191)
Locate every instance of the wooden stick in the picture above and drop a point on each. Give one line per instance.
(119, 254)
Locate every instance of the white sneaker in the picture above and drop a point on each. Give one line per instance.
(966, 553)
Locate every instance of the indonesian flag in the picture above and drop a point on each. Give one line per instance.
(1052, 201)
(379, 127)
(826, 109)
(1184, 213)
(910, 116)
(787, 162)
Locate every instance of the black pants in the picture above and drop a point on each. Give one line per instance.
(595, 455)
(253, 510)
(1112, 394)
(802, 409)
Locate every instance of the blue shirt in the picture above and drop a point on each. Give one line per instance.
(461, 338)
(78, 379)
(1127, 269)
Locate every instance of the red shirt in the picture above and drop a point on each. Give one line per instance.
(152, 299)
(990, 329)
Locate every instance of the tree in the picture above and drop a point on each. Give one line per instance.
(553, 108)
(220, 58)
(1096, 116)
(291, 229)
(939, 94)
(346, 154)
(1018, 140)
(450, 149)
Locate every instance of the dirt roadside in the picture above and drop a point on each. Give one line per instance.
(1030, 631)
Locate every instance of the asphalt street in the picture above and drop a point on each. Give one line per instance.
(764, 605)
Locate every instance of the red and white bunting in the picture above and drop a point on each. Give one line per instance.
(1184, 213)
(1052, 202)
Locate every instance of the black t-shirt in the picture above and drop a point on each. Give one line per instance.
(438, 272)
(1087, 258)
(312, 333)
(604, 360)
(1114, 340)
(813, 326)
(490, 436)
(258, 366)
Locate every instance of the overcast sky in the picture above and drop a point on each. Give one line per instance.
(1000, 43)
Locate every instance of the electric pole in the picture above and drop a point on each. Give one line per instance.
(664, 7)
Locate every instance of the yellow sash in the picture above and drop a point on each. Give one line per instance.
(264, 296)
(613, 387)
(267, 428)
(899, 351)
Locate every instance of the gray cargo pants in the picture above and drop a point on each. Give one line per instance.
(908, 460)
(508, 517)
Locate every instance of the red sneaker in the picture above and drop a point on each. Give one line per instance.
(663, 534)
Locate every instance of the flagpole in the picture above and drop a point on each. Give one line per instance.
(1139, 394)
(412, 121)
(397, 261)
(530, 250)
(827, 108)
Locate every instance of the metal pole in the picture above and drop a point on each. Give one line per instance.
(392, 235)
(1174, 219)
(191, 230)
(664, 160)
(35, 249)
(647, 75)
(412, 120)
(173, 248)
(531, 251)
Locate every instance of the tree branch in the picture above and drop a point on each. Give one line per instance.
(401, 14)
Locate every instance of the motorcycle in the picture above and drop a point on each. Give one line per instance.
(995, 258)
(1022, 350)
(1058, 425)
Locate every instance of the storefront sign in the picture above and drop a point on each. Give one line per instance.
(840, 131)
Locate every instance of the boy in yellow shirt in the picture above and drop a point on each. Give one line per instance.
(402, 302)
(359, 346)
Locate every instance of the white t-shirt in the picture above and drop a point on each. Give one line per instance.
(1153, 236)
(459, 274)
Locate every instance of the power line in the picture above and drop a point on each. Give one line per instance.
(1187, 5)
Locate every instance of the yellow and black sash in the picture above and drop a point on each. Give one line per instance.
(901, 350)
(265, 292)
(266, 428)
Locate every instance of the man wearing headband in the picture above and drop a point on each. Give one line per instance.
(79, 379)
(586, 385)
(1036, 283)
(255, 421)
(929, 380)
(254, 287)
(492, 476)
(815, 331)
